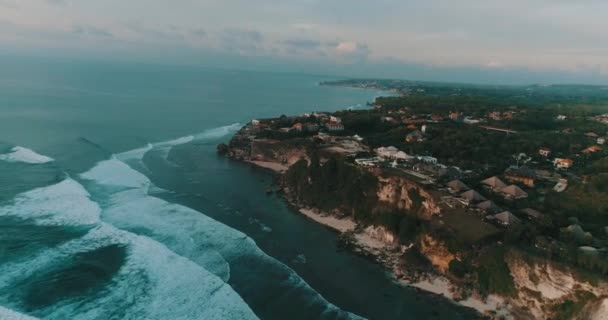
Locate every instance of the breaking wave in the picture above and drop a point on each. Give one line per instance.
(24, 155)
(141, 257)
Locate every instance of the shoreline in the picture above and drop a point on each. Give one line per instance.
(362, 242)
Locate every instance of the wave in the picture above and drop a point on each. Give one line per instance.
(24, 155)
(214, 246)
(65, 204)
(7, 314)
(152, 283)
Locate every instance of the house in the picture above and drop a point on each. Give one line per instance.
(489, 206)
(400, 155)
(508, 115)
(456, 116)
(591, 134)
(513, 192)
(495, 115)
(561, 185)
(335, 119)
(531, 213)
(358, 138)
(507, 218)
(545, 152)
(285, 130)
(457, 186)
(592, 149)
(298, 127)
(386, 152)
(494, 183)
(563, 163)
(522, 174)
(561, 117)
(469, 120)
(436, 118)
(334, 126)
(415, 136)
(255, 122)
(472, 196)
(427, 159)
(312, 127)
(601, 140)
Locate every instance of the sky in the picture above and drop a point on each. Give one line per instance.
(510, 41)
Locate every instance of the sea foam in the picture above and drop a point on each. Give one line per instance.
(24, 155)
(187, 232)
(7, 314)
(65, 203)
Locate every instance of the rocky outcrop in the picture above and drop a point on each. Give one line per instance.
(543, 285)
(406, 194)
(436, 252)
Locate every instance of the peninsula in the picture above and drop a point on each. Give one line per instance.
(495, 197)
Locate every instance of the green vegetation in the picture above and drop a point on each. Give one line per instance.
(569, 309)
(493, 274)
(336, 184)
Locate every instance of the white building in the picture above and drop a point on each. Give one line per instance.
(561, 117)
(601, 140)
(255, 122)
(335, 119)
(427, 159)
(386, 152)
(400, 155)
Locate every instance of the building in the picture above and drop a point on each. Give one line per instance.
(531, 213)
(495, 115)
(592, 149)
(472, 196)
(386, 152)
(335, 119)
(334, 126)
(601, 140)
(545, 152)
(400, 155)
(523, 175)
(455, 116)
(561, 185)
(298, 127)
(255, 122)
(507, 218)
(513, 192)
(457, 186)
(494, 183)
(561, 117)
(312, 127)
(427, 159)
(591, 134)
(563, 163)
(469, 120)
(415, 136)
(490, 207)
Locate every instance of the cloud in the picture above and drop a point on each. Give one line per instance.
(241, 41)
(351, 50)
(91, 31)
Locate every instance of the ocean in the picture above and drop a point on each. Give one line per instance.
(115, 205)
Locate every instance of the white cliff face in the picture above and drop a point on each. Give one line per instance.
(542, 285)
(395, 192)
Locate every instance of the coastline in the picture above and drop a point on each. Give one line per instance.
(365, 243)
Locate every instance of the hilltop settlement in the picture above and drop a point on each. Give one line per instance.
(495, 197)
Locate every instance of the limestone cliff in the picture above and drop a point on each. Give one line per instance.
(406, 194)
(543, 286)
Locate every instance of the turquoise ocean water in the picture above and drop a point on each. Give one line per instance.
(114, 205)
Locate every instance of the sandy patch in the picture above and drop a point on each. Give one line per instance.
(342, 225)
(274, 166)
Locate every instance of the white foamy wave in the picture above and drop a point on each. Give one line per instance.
(153, 283)
(7, 314)
(114, 172)
(218, 132)
(185, 231)
(135, 153)
(65, 203)
(25, 155)
(165, 146)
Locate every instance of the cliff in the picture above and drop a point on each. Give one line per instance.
(404, 194)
